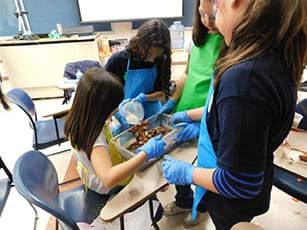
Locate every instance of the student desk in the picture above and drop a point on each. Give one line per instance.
(290, 175)
(57, 112)
(144, 184)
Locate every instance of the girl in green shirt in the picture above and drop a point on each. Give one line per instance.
(191, 92)
(192, 87)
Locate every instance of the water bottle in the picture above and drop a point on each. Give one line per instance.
(177, 35)
(79, 75)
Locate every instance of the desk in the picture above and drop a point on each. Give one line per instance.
(37, 65)
(67, 84)
(290, 168)
(144, 185)
(58, 112)
(286, 156)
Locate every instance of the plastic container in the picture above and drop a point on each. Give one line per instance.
(177, 35)
(126, 138)
(133, 112)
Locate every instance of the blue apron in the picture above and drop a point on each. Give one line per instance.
(206, 153)
(142, 81)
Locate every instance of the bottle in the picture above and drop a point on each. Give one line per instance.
(177, 35)
(79, 75)
(59, 28)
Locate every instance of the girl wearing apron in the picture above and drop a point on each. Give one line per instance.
(251, 110)
(144, 66)
(191, 92)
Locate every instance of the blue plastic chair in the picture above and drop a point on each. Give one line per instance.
(35, 179)
(5, 185)
(287, 182)
(46, 132)
(70, 72)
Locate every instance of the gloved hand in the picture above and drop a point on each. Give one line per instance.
(141, 98)
(177, 172)
(154, 148)
(168, 106)
(190, 131)
(116, 130)
(181, 117)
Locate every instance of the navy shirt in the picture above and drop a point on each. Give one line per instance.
(251, 114)
(117, 64)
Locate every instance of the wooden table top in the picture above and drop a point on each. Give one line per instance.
(145, 184)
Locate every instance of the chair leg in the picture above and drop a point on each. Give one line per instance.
(56, 128)
(36, 215)
(122, 223)
(154, 224)
(56, 224)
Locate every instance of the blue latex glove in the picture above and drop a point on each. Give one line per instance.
(154, 148)
(116, 130)
(181, 117)
(141, 98)
(168, 106)
(177, 172)
(190, 131)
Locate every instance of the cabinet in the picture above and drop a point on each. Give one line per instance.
(38, 65)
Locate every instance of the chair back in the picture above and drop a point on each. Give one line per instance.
(24, 101)
(5, 186)
(72, 68)
(35, 178)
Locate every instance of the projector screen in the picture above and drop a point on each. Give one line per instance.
(123, 10)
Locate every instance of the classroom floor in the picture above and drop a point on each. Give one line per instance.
(16, 138)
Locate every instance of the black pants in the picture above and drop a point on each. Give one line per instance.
(185, 196)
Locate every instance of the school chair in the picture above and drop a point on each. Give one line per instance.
(47, 132)
(5, 185)
(288, 182)
(71, 72)
(36, 180)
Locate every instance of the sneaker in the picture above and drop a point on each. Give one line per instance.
(172, 209)
(188, 222)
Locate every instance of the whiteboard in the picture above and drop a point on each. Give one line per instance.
(122, 10)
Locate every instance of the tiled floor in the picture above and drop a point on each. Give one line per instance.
(16, 138)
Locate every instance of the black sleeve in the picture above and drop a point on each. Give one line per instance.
(244, 123)
(117, 64)
(244, 130)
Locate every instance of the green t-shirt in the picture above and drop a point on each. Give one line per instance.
(200, 71)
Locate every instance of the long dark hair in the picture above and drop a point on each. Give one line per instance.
(97, 96)
(154, 33)
(199, 33)
(266, 24)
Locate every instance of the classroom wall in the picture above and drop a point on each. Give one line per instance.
(45, 14)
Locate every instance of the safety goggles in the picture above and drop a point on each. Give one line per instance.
(160, 55)
(210, 18)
